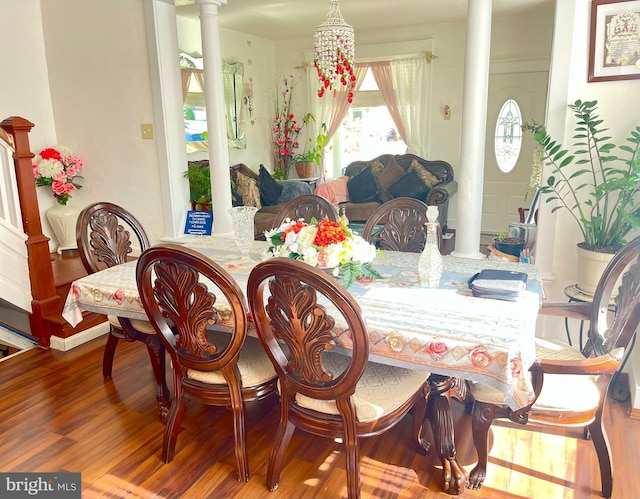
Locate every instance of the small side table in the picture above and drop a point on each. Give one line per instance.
(312, 181)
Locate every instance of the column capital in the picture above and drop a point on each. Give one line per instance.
(215, 3)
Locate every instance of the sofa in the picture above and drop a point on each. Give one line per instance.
(266, 193)
(365, 185)
(248, 188)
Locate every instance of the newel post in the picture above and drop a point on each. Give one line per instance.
(44, 301)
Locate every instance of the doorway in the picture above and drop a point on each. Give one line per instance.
(504, 193)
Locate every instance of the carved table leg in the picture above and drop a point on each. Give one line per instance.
(454, 476)
(157, 356)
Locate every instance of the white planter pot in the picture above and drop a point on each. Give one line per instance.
(591, 265)
(63, 222)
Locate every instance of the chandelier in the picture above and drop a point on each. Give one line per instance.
(334, 53)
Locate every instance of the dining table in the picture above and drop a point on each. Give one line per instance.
(457, 337)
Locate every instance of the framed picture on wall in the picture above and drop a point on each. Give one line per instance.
(614, 49)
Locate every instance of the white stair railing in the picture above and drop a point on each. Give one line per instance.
(15, 286)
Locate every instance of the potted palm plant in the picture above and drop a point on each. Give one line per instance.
(600, 190)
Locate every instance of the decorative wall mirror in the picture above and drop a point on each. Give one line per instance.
(233, 75)
(194, 103)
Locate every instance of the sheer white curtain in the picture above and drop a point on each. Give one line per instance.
(411, 79)
(384, 79)
(330, 109)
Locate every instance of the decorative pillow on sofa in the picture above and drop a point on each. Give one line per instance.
(385, 176)
(247, 189)
(409, 185)
(428, 178)
(291, 189)
(362, 186)
(270, 189)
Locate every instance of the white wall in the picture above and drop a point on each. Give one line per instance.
(24, 86)
(101, 93)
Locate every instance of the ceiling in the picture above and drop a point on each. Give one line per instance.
(287, 19)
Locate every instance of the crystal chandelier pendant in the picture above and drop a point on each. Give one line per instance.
(335, 53)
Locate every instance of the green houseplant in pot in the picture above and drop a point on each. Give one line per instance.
(200, 185)
(599, 189)
(509, 244)
(312, 155)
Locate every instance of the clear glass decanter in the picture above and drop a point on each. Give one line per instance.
(430, 264)
(343, 215)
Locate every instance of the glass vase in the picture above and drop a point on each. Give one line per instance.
(430, 264)
(243, 230)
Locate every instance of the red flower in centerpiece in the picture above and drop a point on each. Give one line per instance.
(329, 233)
(324, 244)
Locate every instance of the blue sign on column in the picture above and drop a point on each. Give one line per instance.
(199, 223)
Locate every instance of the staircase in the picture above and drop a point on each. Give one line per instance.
(32, 280)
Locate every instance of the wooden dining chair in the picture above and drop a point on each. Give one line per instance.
(571, 386)
(199, 312)
(399, 225)
(324, 392)
(307, 206)
(104, 234)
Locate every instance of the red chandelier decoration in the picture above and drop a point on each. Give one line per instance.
(335, 53)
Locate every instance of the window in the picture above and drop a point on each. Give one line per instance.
(508, 136)
(367, 130)
(195, 116)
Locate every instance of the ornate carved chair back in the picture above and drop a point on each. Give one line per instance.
(199, 312)
(103, 234)
(301, 315)
(398, 225)
(572, 386)
(307, 206)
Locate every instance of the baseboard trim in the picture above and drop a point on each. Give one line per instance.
(65, 344)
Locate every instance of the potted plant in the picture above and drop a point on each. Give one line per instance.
(312, 155)
(200, 185)
(600, 190)
(510, 245)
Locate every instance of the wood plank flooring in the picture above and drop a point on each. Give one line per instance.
(57, 414)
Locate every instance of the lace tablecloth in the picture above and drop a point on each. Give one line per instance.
(445, 331)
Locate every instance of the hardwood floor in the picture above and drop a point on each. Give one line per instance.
(57, 414)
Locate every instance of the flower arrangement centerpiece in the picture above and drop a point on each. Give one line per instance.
(326, 245)
(285, 128)
(58, 168)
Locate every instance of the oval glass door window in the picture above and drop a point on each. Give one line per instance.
(508, 136)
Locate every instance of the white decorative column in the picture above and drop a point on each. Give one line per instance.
(166, 88)
(216, 124)
(474, 119)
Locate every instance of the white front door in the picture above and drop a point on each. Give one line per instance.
(504, 193)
